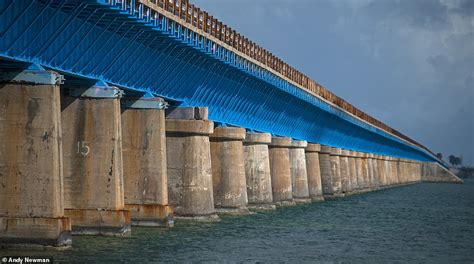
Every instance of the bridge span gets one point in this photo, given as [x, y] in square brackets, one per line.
[131, 112]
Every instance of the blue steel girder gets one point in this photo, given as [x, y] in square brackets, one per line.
[134, 49]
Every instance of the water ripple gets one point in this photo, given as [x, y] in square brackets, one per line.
[423, 223]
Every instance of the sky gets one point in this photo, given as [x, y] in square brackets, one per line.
[408, 63]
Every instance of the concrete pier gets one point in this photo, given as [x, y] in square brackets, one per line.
[370, 171]
[326, 173]
[410, 178]
[352, 172]
[418, 171]
[410, 171]
[415, 174]
[188, 154]
[358, 156]
[395, 172]
[299, 175]
[144, 162]
[381, 169]
[375, 172]
[345, 176]
[257, 171]
[280, 171]
[314, 172]
[228, 170]
[390, 170]
[433, 172]
[405, 173]
[93, 175]
[365, 173]
[401, 171]
[31, 180]
[336, 171]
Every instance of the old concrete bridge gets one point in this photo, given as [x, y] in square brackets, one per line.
[116, 113]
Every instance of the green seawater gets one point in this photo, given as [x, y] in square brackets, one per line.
[421, 223]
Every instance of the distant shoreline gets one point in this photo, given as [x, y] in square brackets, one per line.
[464, 172]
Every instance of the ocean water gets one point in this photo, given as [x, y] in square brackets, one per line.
[421, 223]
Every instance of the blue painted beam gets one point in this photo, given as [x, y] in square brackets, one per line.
[121, 46]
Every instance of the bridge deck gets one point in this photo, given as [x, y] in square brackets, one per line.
[133, 46]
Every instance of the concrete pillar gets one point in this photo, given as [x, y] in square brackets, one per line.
[345, 176]
[370, 170]
[336, 171]
[375, 172]
[388, 170]
[314, 172]
[228, 170]
[400, 167]
[280, 171]
[396, 179]
[359, 171]
[352, 171]
[409, 169]
[93, 168]
[31, 180]
[188, 155]
[403, 171]
[365, 173]
[400, 171]
[406, 171]
[299, 175]
[381, 170]
[326, 174]
[418, 169]
[257, 171]
[144, 162]
[434, 172]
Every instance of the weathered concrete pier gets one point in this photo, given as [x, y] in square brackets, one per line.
[31, 176]
[326, 173]
[336, 179]
[144, 162]
[135, 113]
[92, 158]
[299, 174]
[280, 171]
[257, 171]
[315, 187]
[188, 155]
[228, 170]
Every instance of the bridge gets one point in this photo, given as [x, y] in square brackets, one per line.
[136, 112]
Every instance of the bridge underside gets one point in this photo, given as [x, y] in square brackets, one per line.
[111, 43]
